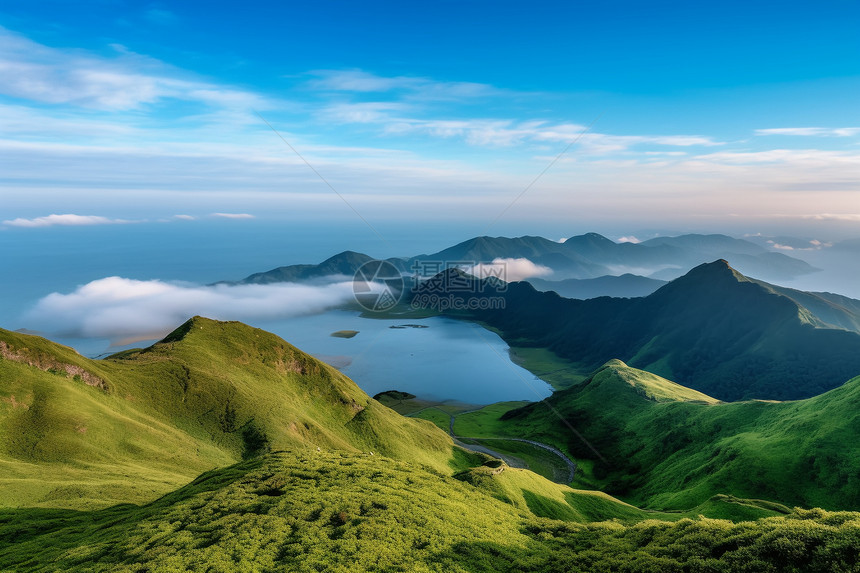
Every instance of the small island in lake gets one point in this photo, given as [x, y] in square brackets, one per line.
[344, 333]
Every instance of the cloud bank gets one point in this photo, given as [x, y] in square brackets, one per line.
[510, 270]
[68, 219]
[125, 310]
[233, 215]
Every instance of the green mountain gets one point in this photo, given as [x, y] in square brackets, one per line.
[835, 310]
[86, 433]
[713, 330]
[342, 264]
[539, 250]
[656, 444]
[588, 256]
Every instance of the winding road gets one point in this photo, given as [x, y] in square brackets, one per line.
[512, 461]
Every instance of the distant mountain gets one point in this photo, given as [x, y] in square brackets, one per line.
[342, 264]
[626, 285]
[655, 444]
[538, 250]
[713, 330]
[588, 256]
[709, 245]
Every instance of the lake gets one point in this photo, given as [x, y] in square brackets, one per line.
[447, 360]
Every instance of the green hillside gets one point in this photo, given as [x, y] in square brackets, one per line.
[88, 433]
[657, 445]
[299, 470]
[334, 511]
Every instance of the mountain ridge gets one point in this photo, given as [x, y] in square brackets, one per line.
[712, 330]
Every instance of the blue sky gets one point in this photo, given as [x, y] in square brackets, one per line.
[672, 115]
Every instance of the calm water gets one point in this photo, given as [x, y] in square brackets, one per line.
[449, 359]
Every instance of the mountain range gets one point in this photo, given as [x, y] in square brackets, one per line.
[586, 256]
[713, 330]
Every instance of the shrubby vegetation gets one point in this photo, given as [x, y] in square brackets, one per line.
[331, 511]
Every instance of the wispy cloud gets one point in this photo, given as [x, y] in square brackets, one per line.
[811, 131]
[834, 217]
[360, 81]
[124, 309]
[64, 220]
[126, 81]
[233, 215]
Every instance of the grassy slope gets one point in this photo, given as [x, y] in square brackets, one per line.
[334, 511]
[207, 396]
[675, 454]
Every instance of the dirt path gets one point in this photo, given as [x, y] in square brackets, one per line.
[510, 460]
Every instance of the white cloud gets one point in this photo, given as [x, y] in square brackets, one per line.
[508, 269]
[233, 215]
[64, 220]
[781, 247]
[124, 309]
[811, 131]
[360, 81]
[185, 217]
[507, 132]
[127, 81]
[628, 239]
[833, 217]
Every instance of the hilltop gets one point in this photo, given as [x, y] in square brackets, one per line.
[143, 422]
[657, 444]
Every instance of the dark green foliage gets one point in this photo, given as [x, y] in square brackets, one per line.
[323, 511]
[713, 330]
[254, 441]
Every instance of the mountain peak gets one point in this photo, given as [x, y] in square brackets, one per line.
[717, 270]
[594, 238]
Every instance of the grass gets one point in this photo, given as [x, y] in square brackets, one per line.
[337, 511]
[435, 415]
[558, 372]
[660, 447]
[209, 395]
[486, 422]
